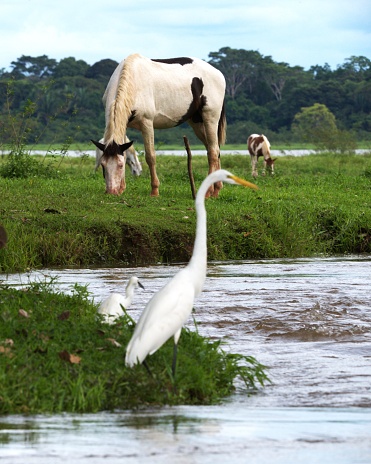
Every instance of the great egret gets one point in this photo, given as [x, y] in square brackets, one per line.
[168, 310]
[111, 306]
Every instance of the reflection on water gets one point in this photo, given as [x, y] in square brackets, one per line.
[234, 433]
[309, 320]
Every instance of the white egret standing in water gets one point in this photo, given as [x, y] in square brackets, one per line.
[111, 306]
[168, 310]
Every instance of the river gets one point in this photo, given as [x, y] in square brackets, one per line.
[308, 320]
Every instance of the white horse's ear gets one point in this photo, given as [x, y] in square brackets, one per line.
[99, 145]
[125, 146]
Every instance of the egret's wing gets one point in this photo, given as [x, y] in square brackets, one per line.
[163, 316]
[111, 305]
[165, 300]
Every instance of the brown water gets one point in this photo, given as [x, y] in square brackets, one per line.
[309, 320]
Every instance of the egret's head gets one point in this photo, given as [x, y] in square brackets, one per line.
[135, 282]
[232, 179]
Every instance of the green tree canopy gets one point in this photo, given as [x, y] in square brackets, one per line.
[238, 67]
[102, 69]
[69, 67]
[28, 66]
[313, 120]
[261, 96]
[317, 125]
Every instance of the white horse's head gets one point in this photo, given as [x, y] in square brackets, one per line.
[113, 160]
[132, 159]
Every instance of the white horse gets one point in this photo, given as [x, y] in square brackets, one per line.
[258, 145]
[132, 159]
[147, 94]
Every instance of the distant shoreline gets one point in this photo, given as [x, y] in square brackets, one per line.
[274, 153]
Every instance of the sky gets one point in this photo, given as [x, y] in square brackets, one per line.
[297, 32]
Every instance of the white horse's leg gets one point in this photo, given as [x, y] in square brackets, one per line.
[199, 130]
[254, 162]
[213, 156]
[209, 137]
[149, 148]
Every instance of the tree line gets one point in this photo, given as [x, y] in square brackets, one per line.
[43, 100]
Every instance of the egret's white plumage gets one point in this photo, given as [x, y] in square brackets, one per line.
[168, 310]
[110, 308]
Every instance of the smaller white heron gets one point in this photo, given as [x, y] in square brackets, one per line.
[110, 308]
[168, 310]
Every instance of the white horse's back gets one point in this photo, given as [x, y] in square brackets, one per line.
[176, 76]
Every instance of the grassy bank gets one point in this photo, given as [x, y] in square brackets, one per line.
[57, 355]
[315, 204]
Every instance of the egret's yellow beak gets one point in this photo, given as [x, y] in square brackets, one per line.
[244, 182]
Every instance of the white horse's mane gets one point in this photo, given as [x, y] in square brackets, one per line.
[122, 105]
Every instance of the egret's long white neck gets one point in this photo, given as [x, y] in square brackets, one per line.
[198, 262]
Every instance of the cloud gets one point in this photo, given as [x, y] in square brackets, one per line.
[304, 32]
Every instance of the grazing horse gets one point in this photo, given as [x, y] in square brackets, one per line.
[132, 159]
[146, 94]
[258, 145]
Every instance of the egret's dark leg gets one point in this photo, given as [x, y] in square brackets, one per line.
[174, 358]
[145, 364]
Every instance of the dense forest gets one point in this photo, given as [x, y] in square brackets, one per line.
[46, 101]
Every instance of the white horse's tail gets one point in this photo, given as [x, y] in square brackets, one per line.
[222, 127]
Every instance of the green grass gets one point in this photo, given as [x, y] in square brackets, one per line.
[57, 355]
[318, 204]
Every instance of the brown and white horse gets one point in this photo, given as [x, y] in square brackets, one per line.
[258, 145]
[146, 94]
